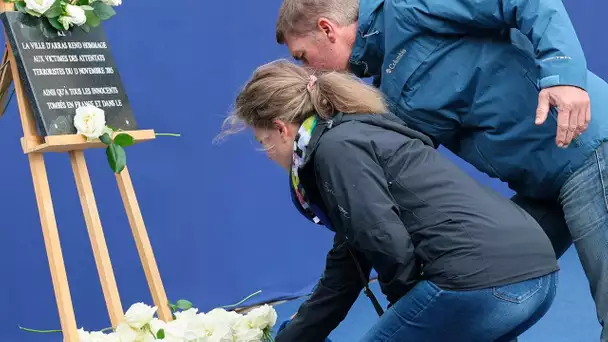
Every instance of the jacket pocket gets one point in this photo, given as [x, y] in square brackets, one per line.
[532, 77]
[484, 164]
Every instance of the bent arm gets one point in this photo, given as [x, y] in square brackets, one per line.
[331, 300]
[545, 22]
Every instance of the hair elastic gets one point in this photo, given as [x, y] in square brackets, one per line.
[311, 82]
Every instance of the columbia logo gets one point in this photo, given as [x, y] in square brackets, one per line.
[394, 63]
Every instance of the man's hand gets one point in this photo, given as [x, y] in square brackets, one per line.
[573, 111]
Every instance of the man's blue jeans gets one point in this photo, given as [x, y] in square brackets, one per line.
[430, 314]
[584, 199]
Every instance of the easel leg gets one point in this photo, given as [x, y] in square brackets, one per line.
[53, 247]
[144, 247]
[46, 212]
[98, 241]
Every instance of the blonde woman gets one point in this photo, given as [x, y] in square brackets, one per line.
[456, 261]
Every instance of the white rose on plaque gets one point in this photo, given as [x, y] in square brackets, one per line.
[112, 2]
[75, 15]
[39, 6]
[90, 121]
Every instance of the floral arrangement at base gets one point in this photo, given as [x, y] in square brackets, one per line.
[217, 325]
[65, 14]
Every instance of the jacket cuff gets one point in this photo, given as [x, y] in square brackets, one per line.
[562, 73]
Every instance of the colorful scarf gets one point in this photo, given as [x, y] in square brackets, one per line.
[299, 154]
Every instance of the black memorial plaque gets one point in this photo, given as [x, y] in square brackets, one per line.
[62, 71]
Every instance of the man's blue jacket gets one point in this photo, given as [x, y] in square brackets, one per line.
[468, 74]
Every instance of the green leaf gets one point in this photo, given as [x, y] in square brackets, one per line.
[32, 13]
[124, 140]
[56, 24]
[103, 11]
[20, 6]
[55, 10]
[105, 138]
[85, 28]
[183, 304]
[108, 130]
[160, 334]
[82, 2]
[92, 19]
[116, 157]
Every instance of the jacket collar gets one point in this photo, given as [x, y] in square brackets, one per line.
[368, 51]
[321, 127]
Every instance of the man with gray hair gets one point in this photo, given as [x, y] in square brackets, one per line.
[501, 83]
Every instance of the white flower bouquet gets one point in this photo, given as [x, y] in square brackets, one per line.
[65, 14]
[217, 325]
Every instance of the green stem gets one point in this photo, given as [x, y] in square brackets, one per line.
[242, 301]
[55, 331]
[168, 134]
[39, 331]
[268, 336]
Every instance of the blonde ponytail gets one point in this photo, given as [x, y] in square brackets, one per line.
[342, 92]
[282, 90]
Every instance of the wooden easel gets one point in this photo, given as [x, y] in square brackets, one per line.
[35, 146]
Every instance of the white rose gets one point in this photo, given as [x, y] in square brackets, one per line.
[186, 315]
[175, 331]
[84, 336]
[156, 324]
[246, 334]
[263, 317]
[75, 15]
[39, 6]
[127, 333]
[90, 121]
[96, 336]
[112, 2]
[112, 337]
[218, 325]
[220, 315]
[217, 333]
[194, 323]
[139, 314]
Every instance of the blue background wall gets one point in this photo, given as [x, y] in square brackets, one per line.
[217, 215]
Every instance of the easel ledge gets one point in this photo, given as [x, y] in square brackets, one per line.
[76, 142]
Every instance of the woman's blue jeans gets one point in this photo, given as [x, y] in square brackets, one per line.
[430, 314]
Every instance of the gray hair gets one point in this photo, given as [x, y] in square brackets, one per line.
[299, 17]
